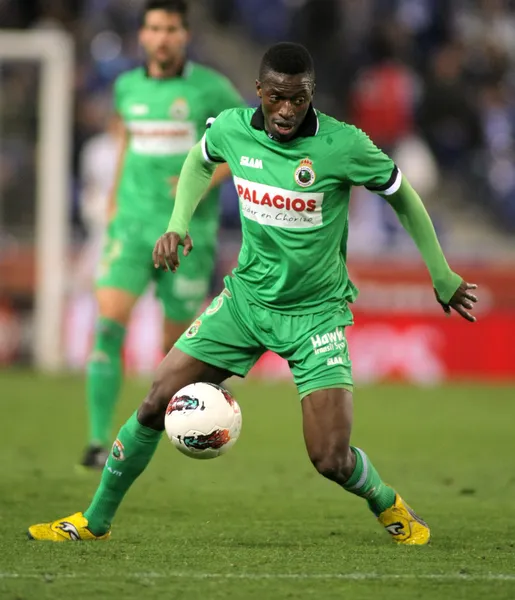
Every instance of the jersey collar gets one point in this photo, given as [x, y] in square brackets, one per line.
[308, 128]
[183, 72]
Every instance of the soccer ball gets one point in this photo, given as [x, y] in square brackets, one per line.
[203, 420]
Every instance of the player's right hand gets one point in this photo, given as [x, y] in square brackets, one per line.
[166, 251]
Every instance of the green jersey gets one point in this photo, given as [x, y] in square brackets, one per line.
[164, 119]
[294, 203]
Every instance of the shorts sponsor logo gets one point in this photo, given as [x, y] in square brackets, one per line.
[118, 450]
[191, 288]
[254, 163]
[304, 173]
[193, 329]
[336, 360]
[334, 340]
[278, 207]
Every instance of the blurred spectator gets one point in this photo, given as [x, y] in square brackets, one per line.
[96, 177]
[498, 119]
[447, 118]
[487, 23]
[383, 98]
[399, 69]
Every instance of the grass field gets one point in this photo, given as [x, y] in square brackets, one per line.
[259, 522]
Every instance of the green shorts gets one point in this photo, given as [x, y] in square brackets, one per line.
[126, 264]
[233, 333]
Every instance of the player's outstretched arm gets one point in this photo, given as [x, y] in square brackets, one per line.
[194, 181]
[450, 289]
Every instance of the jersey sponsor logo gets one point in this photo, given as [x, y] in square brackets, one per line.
[304, 173]
[334, 340]
[278, 207]
[162, 138]
[255, 163]
[180, 109]
[139, 109]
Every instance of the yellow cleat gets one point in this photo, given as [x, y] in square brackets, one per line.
[403, 524]
[70, 529]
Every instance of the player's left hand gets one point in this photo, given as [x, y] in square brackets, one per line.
[166, 250]
[462, 301]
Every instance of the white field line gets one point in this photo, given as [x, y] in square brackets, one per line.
[272, 576]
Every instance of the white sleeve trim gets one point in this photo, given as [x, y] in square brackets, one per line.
[395, 185]
[204, 150]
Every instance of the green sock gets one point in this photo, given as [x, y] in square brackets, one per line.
[104, 379]
[131, 453]
[366, 483]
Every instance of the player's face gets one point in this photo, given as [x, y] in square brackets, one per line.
[285, 101]
[163, 37]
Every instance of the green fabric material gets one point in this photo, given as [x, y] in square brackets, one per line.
[415, 220]
[131, 453]
[104, 377]
[366, 483]
[194, 182]
[232, 334]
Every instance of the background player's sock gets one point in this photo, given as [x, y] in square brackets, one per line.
[104, 379]
[365, 482]
[132, 451]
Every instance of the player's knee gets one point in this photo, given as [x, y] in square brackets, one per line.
[334, 463]
[152, 412]
[172, 332]
[115, 305]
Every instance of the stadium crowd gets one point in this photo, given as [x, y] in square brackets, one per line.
[429, 79]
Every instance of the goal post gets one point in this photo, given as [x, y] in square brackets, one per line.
[54, 50]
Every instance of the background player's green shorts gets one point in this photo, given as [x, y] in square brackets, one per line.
[233, 333]
[126, 264]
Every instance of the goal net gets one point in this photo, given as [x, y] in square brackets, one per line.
[36, 87]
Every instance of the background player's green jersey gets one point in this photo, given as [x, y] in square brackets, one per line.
[165, 118]
[294, 201]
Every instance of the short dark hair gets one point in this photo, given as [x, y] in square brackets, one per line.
[171, 6]
[287, 58]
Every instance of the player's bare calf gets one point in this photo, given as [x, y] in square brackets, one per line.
[176, 371]
[327, 422]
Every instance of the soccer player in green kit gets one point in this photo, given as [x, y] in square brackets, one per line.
[164, 107]
[293, 168]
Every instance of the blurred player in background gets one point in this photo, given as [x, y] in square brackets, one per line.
[163, 107]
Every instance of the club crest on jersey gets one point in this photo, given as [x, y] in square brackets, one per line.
[193, 329]
[180, 109]
[304, 173]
